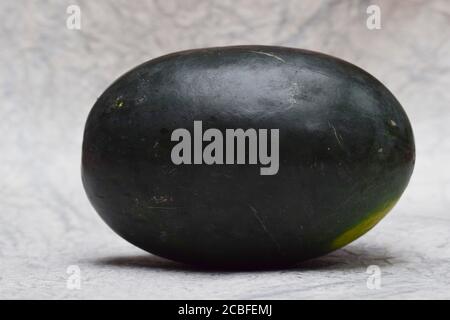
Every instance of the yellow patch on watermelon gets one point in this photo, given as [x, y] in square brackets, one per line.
[364, 226]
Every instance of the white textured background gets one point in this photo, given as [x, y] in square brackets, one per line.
[51, 76]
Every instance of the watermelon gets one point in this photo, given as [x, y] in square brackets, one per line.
[245, 156]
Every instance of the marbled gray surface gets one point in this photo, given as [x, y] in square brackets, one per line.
[50, 77]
